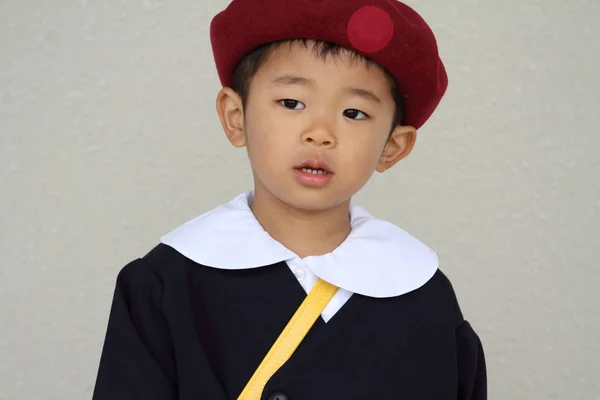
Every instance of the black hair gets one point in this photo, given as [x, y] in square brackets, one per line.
[250, 64]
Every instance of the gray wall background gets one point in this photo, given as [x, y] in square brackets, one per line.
[109, 139]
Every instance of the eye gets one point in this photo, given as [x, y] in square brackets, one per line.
[292, 104]
[355, 114]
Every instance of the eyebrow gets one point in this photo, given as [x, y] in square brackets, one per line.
[299, 80]
[365, 94]
[293, 80]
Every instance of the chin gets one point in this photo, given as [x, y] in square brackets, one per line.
[310, 199]
[301, 197]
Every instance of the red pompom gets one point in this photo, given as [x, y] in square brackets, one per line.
[370, 29]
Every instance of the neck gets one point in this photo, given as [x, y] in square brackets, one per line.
[305, 232]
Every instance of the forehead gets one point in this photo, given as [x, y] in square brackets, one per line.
[300, 59]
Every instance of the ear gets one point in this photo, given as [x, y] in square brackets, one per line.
[231, 114]
[399, 145]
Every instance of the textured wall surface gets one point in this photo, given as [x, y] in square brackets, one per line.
[109, 139]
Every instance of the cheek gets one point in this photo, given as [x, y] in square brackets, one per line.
[367, 163]
[366, 153]
[266, 143]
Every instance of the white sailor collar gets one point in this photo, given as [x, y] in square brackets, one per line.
[377, 259]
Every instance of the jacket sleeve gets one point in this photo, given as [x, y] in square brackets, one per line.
[472, 375]
[137, 359]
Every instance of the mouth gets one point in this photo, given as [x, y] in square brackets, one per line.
[314, 167]
[314, 174]
[314, 171]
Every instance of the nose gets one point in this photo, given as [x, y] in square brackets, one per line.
[319, 135]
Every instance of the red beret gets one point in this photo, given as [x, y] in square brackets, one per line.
[386, 31]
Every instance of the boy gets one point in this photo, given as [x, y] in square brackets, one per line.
[322, 94]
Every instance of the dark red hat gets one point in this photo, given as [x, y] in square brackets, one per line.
[386, 31]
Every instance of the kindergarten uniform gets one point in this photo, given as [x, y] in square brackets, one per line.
[193, 318]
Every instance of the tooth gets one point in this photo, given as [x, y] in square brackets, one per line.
[314, 171]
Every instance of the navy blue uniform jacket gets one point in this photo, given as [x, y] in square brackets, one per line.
[180, 330]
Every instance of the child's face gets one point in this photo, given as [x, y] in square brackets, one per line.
[303, 110]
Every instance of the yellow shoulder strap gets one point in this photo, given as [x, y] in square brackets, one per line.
[287, 342]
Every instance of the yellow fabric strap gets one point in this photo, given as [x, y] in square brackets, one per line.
[287, 342]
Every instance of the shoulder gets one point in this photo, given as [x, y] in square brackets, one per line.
[163, 259]
[160, 264]
[439, 290]
[440, 285]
